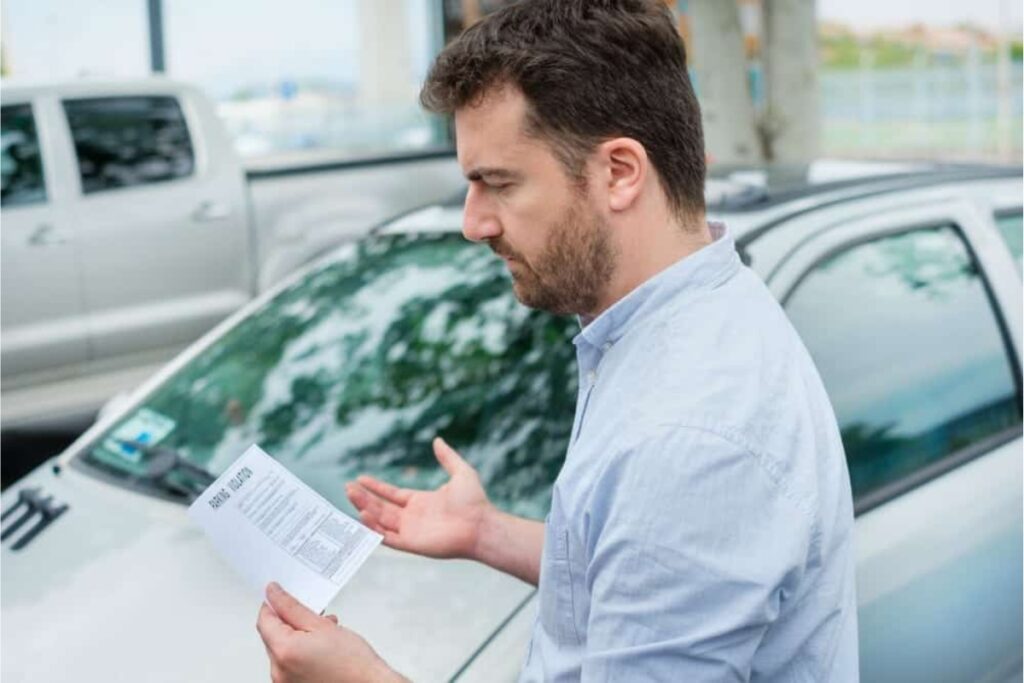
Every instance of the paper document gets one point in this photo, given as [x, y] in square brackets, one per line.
[270, 526]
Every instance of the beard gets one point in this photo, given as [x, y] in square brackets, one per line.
[571, 273]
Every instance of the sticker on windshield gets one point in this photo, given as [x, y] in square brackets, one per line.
[142, 429]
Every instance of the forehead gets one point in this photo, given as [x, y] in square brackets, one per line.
[491, 132]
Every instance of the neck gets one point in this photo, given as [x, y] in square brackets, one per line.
[647, 245]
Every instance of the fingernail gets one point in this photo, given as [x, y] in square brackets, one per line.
[273, 587]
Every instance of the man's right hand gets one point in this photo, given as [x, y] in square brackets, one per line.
[455, 520]
[446, 522]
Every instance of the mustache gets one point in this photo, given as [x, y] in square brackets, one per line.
[503, 249]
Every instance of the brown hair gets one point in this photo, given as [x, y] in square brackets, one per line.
[590, 70]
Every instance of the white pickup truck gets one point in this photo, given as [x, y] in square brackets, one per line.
[130, 227]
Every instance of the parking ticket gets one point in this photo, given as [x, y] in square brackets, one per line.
[270, 526]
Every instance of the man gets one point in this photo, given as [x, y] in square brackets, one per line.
[701, 526]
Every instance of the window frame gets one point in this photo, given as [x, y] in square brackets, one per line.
[1000, 212]
[44, 161]
[805, 258]
[194, 139]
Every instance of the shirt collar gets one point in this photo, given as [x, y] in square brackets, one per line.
[703, 269]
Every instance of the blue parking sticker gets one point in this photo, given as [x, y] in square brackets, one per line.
[145, 427]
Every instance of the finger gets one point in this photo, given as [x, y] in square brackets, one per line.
[374, 511]
[376, 524]
[385, 490]
[449, 458]
[272, 630]
[391, 538]
[371, 522]
[291, 611]
[364, 500]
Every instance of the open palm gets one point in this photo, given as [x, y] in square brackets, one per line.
[444, 522]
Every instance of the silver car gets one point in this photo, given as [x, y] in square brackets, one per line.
[903, 280]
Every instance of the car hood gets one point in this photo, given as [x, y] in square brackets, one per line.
[125, 587]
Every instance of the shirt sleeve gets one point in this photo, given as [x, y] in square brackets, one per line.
[693, 547]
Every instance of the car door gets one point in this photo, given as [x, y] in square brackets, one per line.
[913, 321]
[43, 326]
[161, 225]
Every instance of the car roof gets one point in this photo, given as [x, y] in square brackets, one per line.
[752, 188]
[88, 86]
[754, 198]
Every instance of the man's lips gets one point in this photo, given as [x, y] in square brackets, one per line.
[508, 258]
[502, 251]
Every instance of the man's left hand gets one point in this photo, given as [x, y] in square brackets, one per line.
[304, 646]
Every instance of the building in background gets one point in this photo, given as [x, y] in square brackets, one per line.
[781, 80]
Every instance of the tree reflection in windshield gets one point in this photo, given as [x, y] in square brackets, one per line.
[358, 366]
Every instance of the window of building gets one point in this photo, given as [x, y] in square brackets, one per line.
[311, 79]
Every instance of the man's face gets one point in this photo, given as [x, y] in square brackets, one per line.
[521, 201]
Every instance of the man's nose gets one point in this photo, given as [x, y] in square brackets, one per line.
[479, 222]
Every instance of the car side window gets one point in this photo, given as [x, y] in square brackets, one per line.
[129, 141]
[905, 337]
[1011, 227]
[21, 163]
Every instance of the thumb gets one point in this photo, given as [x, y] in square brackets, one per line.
[450, 460]
[291, 611]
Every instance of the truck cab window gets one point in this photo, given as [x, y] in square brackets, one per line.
[21, 164]
[129, 141]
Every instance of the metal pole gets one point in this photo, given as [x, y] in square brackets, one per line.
[156, 36]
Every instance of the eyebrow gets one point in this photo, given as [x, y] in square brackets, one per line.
[487, 173]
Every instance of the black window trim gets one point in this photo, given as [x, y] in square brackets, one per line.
[44, 166]
[950, 461]
[1011, 212]
[185, 118]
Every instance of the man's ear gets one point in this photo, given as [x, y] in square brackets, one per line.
[626, 167]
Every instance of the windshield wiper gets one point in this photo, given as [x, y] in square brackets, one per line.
[164, 461]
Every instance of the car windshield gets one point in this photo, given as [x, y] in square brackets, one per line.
[355, 368]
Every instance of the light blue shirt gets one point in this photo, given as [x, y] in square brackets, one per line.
[701, 528]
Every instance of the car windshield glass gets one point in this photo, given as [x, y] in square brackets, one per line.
[358, 365]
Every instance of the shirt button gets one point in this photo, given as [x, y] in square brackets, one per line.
[607, 346]
[592, 376]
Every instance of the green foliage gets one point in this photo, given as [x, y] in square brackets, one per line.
[849, 52]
